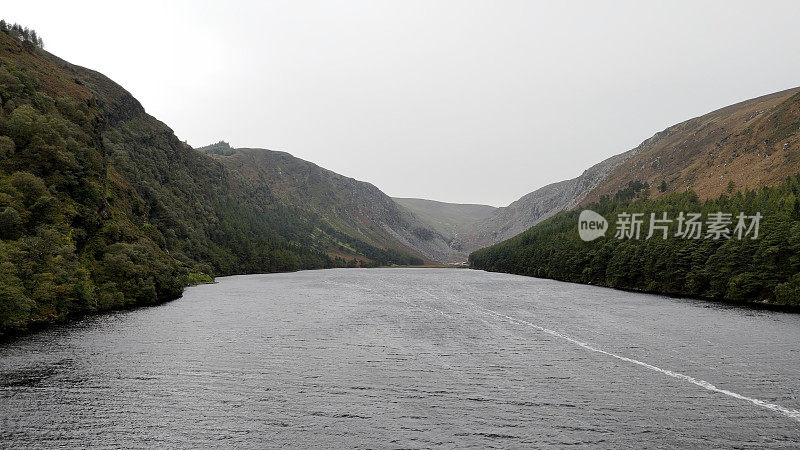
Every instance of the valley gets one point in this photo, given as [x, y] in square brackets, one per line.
[103, 207]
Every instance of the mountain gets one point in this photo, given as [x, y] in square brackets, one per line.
[353, 208]
[449, 219]
[745, 145]
[540, 204]
[102, 206]
[743, 159]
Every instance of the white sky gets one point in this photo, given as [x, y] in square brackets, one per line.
[462, 101]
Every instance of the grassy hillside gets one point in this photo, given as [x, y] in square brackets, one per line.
[102, 207]
[746, 145]
[449, 219]
[766, 269]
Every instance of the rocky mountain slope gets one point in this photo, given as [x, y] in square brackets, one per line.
[537, 206]
[355, 208]
[449, 219]
[744, 145]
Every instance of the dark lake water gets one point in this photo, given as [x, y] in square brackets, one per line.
[407, 358]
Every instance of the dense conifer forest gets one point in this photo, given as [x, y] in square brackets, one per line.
[725, 267]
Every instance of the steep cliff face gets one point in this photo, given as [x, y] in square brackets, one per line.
[353, 207]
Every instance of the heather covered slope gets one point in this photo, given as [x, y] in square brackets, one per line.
[741, 159]
[742, 146]
[351, 207]
[747, 145]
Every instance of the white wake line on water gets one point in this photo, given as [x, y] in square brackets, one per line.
[791, 413]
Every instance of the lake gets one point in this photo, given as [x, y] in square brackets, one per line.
[407, 358]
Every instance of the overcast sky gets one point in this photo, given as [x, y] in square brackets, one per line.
[461, 101]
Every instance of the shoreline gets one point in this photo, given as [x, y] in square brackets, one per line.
[37, 327]
[791, 309]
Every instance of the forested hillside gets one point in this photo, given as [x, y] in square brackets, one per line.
[765, 269]
[102, 206]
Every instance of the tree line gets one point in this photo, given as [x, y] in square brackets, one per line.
[761, 270]
[24, 34]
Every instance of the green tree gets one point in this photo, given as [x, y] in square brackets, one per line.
[10, 224]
